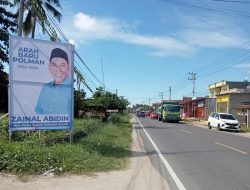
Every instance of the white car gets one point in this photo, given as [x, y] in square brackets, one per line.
[223, 121]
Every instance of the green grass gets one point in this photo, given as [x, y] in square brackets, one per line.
[97, 147]
[244, 129]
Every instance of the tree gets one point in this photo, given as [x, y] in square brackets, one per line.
[37, 12]
[79, 96]
[107, 100]
[8, 26]
[3, 90]
[99, 92]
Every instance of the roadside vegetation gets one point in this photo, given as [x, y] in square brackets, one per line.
[98, 146]
[244, 129]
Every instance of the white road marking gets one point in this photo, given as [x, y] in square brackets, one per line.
[165, 162]
[242, 152]
[186, 131]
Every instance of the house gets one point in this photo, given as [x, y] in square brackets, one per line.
[234, 101]
[223, 86]
[200, 107]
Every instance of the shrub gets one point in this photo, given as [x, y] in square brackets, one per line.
[97, 147]
[115, 119]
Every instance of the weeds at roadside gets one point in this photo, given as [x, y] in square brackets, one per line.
[97, 147]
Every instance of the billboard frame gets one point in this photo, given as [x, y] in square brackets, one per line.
[70, 49]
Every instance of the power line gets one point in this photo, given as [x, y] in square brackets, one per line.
[208, 8]
[232, 57]
[86, 77]
[102, 75]
[243, 60]
[229, 54]
[149, 102]
[60, 31]
[161, 94]
[231, 1]
[66, 39]
[39, 22]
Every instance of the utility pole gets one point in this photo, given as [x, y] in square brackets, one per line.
[161, 95]
[193, 78]
[20, 18]
[246, 84]
[116, 92]
[103, 76]
[149, 103]
[170, 90]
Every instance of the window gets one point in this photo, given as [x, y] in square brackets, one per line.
[227, 116]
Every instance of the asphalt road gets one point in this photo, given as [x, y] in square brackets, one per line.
[196, 158]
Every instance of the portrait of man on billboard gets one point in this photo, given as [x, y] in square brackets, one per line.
[55, 96]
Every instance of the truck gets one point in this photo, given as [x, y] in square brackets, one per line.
[169, 111]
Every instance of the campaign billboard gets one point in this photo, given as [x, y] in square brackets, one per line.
[41, 84]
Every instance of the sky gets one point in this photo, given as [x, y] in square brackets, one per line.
[143, 48]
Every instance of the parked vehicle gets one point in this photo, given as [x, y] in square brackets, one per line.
[223, 121]
[159, 113]
[140, 114]
[147, 113]
[169, 111]
[153, 115]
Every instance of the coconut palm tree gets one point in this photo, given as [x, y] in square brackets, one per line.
[38, 11]
[8, 26]
[79, 78]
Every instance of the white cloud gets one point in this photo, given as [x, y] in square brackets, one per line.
[92, 28]
[193, 34]
[162, 46]
[211, 39]
[72, 41]
[98, 28]
[216, 32]
[243, 66]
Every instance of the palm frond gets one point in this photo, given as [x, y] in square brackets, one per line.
[53, 11]
[55, 2]
[28, 24]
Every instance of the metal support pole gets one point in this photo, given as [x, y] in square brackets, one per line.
[170, 91]
[20, 18]
[71, 137]
[248, 118]
[10, 134]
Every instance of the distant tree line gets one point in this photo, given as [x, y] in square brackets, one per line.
[101, 99]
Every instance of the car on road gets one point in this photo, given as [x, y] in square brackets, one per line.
[223, 121]
[140, 114]
[153, 115]
[147, 113]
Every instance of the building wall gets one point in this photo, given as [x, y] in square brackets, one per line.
[222, 104]
[224, 88]
[240, 85]
[236, 100]
[217, 88]
[210, 106]
[199, 108]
